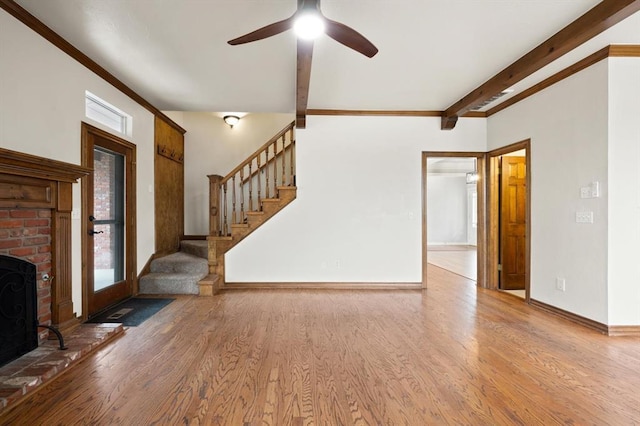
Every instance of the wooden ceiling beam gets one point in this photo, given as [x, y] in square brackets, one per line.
[303, 77]
[600, 18]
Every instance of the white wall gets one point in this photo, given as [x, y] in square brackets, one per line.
[624, 191]
[212, 147]
[357, 217]
[446, 209]
[42, 94]
[568, 127]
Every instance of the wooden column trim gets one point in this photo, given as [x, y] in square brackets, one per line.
[62, 313]
[305, 56]
[214, 204]
[59, 176]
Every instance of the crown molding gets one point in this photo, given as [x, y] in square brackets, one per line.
[389, 113]
[54, 38]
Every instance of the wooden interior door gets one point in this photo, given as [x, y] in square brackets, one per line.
[513, 218]
[109, 220]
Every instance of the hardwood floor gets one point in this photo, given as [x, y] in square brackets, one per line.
[522, 294]
[459, 259]
[453, 354]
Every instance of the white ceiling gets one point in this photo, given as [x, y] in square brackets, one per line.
[432, 52]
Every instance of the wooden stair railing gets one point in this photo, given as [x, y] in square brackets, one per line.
[250, 194]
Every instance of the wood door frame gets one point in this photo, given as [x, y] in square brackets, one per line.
[481, 188]
[493, 215]
[130, 211]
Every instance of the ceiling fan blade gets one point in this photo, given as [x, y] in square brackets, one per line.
[264, 32]
[350, 38]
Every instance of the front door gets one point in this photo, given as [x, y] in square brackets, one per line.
[108, 220]
[513, 218]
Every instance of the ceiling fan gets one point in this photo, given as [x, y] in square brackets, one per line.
[309, 12]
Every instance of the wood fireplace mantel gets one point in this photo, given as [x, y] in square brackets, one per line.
[28, 181]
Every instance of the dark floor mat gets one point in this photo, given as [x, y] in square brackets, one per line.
[132, 312]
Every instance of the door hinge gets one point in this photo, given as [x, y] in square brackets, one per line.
[499, 267]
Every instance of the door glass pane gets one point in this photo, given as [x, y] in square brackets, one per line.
[108, 225]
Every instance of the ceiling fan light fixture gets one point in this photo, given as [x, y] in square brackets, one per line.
[308, 26]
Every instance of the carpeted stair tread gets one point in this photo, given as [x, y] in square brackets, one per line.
[170, 283]
[198, 248]
[180, 262]
[177, 273]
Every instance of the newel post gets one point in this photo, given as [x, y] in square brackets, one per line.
[214, 204]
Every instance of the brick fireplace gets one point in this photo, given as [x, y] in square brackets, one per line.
[35, 225]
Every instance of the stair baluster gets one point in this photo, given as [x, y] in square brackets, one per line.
[250, 187]
[292, 181]
[284, 165]
[259, 172]
[233, 199]
[241, 195]
[224, 203]
[266, 166]
[275, 168]
[251, 178]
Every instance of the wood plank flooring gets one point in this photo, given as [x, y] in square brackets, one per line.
[459, 259]
[452, 354]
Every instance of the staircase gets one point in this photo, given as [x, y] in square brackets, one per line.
[178, 273]
[242, 201]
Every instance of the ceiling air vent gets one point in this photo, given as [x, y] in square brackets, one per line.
[491, 99]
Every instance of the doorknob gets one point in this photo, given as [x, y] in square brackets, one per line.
[92, 232]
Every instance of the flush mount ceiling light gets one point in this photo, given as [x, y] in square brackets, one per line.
[231, 120]
[308, 25]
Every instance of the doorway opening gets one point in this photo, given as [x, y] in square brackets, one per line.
[453, 214]
[108, 220]
[509, 212]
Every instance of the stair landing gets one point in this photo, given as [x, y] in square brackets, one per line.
[195, 247]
